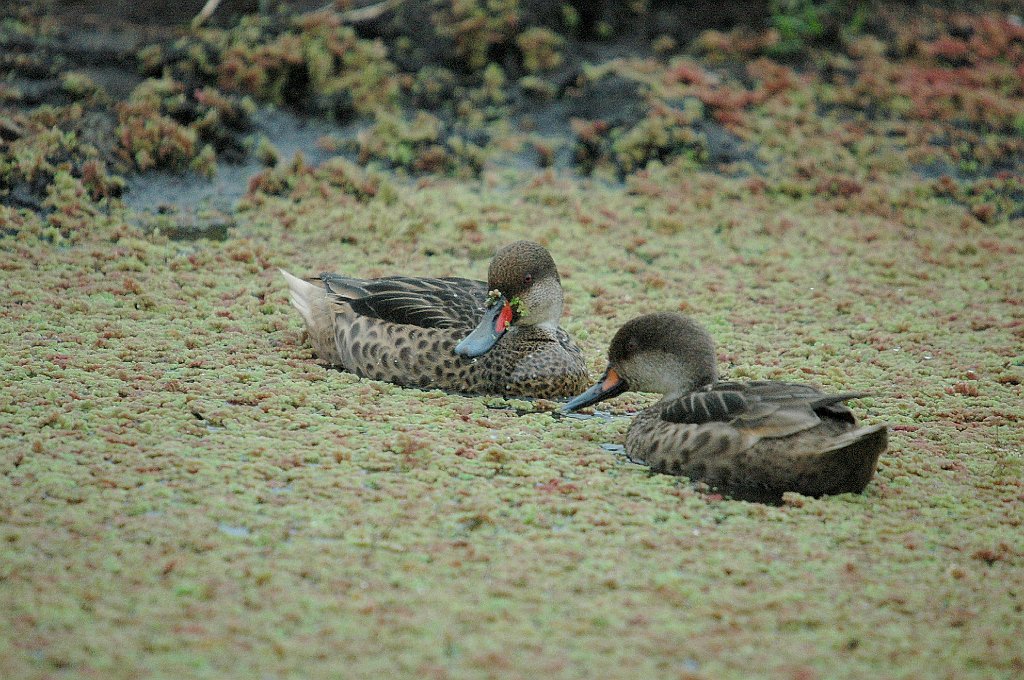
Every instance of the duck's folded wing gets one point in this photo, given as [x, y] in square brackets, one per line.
[686, 448]
[428, 303]
[767, 409]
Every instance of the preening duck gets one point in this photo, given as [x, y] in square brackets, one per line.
[750, 440]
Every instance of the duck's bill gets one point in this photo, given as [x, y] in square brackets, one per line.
[610, 385]
[492, 326]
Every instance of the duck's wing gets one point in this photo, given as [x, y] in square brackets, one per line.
[426, 302]
[762, 409]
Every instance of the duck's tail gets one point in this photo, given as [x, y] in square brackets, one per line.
[857, 451]
[302, 294]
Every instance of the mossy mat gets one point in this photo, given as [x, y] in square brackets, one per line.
[185, 492]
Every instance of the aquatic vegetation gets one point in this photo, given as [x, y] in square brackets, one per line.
[150, 135]
[798, 22]
[52, 159]
[540, 48]
[476, 27]
[297, 179]
[169, 438]
[311, 62]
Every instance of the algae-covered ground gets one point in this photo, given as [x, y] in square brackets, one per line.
[186, 492]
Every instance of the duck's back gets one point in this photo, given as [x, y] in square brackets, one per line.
[450, 302]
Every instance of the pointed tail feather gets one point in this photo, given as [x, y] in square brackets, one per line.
[301, 293]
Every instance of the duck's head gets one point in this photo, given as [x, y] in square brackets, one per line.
[525, 291]
[667, 353]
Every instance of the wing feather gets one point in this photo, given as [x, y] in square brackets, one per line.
[425, 302]
[762, 408]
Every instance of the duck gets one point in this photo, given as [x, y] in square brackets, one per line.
[751, 440]
[497, 337]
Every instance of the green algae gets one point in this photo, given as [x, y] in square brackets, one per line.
[181, 476]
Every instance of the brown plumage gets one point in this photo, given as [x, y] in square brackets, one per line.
[753, 440]
[406, 330]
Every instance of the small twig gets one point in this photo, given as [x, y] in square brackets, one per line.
[205, 13]
[361, 15]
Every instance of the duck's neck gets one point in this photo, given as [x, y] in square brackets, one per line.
[670, 397]
[542, 332]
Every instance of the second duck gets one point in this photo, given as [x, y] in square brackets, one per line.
[753, 440]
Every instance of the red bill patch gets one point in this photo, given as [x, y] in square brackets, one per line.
[506, 315]
[611, 379]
